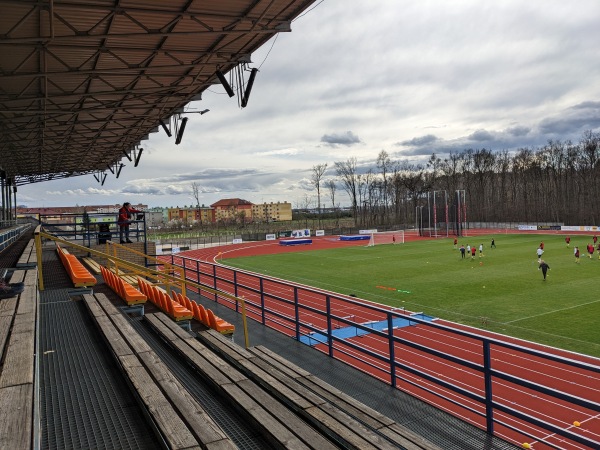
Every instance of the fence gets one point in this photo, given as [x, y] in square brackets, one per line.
[11, 234]
[89, 229]
[475, 380]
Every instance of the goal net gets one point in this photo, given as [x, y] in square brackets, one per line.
[386, 237]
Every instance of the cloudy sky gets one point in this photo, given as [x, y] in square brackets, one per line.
[354, 78]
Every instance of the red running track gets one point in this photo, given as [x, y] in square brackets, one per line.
[370, 351]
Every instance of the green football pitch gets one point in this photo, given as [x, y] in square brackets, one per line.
[503, 291]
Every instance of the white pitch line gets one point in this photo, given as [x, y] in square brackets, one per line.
[551, 312]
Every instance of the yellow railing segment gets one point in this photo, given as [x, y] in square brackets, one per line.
[172, 276]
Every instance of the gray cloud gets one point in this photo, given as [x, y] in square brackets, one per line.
[481, 136]
[574, 121]
[348, 138]
[419, 141]
[518, 131]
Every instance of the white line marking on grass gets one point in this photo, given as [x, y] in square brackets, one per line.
[551, 312]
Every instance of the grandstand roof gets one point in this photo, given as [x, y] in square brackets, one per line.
[82, 83]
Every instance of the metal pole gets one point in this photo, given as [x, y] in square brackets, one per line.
[434, 216]
[428, 214]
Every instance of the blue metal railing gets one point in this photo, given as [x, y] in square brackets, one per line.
[304, 310]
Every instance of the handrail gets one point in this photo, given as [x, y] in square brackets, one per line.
[254, 286]
[179, 282]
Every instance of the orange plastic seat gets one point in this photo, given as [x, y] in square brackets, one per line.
[123, 289]
[130, 294]
[80, 276]
[203, 315]
[175, 310]
[218, 324]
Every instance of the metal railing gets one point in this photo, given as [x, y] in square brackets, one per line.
[161, 273]
[11, 234]
[405, 360]
[89, 229]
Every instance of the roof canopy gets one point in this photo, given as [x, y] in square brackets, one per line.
[82, 83]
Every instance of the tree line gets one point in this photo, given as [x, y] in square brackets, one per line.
[557, 182]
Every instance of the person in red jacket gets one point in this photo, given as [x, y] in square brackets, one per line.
[473, 250]
[568, 241]
[590, 249]
[124, 221]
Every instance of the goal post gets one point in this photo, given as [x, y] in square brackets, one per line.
[386, 237]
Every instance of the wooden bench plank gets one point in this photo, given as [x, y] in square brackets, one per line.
[133, 337]
[340, 426]
[17, 347]
[298, 427]
[5, 322]
[214, 340]
[8, 306]
[170, 424]
[277, 423]
[181, 419]
[28, 298]
[336, 430]
[357, 409]
[19, 355]
[222, 367]
[200, 423]
[17, 421]
[92, 264]
[119, 345]
[290, 387]
[28, 256]
[271, 428]
[383, 424]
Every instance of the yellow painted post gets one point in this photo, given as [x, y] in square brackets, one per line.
[245, 325]
[115, 261]
[38, 250]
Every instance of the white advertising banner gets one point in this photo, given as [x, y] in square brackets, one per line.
[300, 233]
[367, 231]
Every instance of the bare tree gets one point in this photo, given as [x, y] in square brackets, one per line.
[305, 204]
[317, 175]
[346, 170]
[332, 188]
[196, 194]
[384, 164]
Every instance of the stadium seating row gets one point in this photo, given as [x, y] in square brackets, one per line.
[123, 289]
[205, 315]
[179, 307]
[161, 299]
[80, 276]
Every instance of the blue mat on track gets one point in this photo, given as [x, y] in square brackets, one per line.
[315, 338]
[356, 237]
